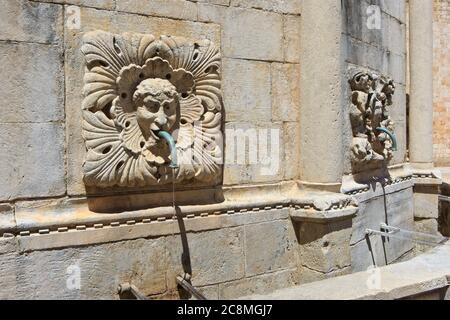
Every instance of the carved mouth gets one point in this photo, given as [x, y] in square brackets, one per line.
[154, 134]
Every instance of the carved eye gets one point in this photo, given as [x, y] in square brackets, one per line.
[124, 95]
[184, 95]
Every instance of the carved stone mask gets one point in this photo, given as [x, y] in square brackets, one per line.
[136, 85]
[157, 106]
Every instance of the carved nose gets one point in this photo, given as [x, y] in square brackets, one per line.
[161, 121]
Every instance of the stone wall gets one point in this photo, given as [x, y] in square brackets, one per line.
[374, 40]
[250, 234]
[441, 83]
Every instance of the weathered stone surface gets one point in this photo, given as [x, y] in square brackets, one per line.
[247, 87]
[257, 285]
[247, 33]
[254, 153]
[292, 42]
[54, 274]
[33, 90]
[283, 6]
[285, 92]
[117, 23]
[274, 253]
[218, 2]
[102, 4]
[324, 247]
[175, 90]
[29, 144]
[179, 9]
[421, 274]
[291, 145]
[371, 213]
[22, 20]
[210, 257]
[426, 205]
[429, 226]
[306, 275]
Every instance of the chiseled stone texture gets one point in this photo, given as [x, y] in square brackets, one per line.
[211, 256]
[247, 145]
[246, 89]
[247, 33]
[285, 92]
[324, 247]
[101, 4]
[283, 6]
[22, 20]
[180, 9]
[257, 285]
[33, 89]
[93, 19]
[371, 214]
[275, 252]
[29, 144]
[292, 38]
[426, 205]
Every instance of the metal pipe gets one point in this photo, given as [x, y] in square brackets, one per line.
[173, 150]
[130, 288]
[391, 135]
[189, 288]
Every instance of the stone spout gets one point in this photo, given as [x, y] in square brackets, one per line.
[391, 135]
[173, 150]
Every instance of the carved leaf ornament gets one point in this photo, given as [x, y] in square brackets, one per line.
[136, 85]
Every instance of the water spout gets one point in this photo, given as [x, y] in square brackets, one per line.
[173, 150]
[391, 135]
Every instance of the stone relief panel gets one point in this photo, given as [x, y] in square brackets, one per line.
[152, 110]
[373, 130]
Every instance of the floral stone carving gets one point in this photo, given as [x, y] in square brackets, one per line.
[136, 85]
[373, 129]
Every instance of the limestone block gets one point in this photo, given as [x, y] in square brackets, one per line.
[285, 92]
[22, 20]
[117, 23]
[9, 282]
[211, 257]
[46, 274]
[394, 8]
[291, 145]
[429, 226]
[283, 6]
[371, 213]
[397, 37]
[33, 90]
[33, 165]
[292, 41]
[324, 247]
[274, 253]
[246, 89]
[307, 275]
[8, 244]
[396, 67]
[254, 153]
[257, 285]
[247, 33]
[101, 4]
[179, 9]
[426, 205]
[217, 2]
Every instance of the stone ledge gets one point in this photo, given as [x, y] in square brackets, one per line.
[424, 273]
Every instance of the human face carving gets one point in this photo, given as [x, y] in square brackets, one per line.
[157, 107]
